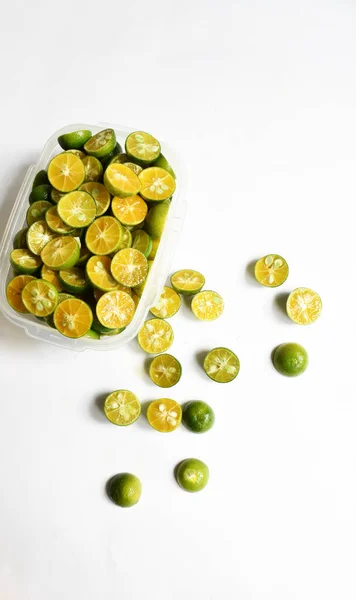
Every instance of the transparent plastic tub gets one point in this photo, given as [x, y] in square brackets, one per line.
[158, 273]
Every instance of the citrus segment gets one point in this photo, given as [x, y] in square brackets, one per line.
[271, 270]
[73, 318]
[122, 407]
[115, 309]
[143, 147]
[99, 274]
[40, 297]
[23, 261]
[304, 306]
[221, 365]
[77, 209]
[164, 415]
[61, 253]
[14, 292]
[165, 370]
[129, 267]
[104, 235]
[66, 172]
[100, 194]
[55, 223]
[101, 143]
[156, 184]
[38, 235]
[155, 336]
[207, 305]
[129, 211]
[121, 181]
[187, 281]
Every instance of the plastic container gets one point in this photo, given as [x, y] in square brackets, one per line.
[158, 273]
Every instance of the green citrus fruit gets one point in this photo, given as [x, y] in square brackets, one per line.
[124, 489]
[192, 475]
[290, 359]
[198, 416]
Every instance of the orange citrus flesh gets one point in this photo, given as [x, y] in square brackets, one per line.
[104, 236]
[66, 172]
[129, 267]
[304, 306]
[271, 270]
[130, 211]
[164, 415]
[115, 309]
[156, 184]
[73, 318]
[14, 292]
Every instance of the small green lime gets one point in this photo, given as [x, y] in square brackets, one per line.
[164, 164]
[198, 416]
[40, 192]
[40, 178]
[93, 335]
[156, 219]
[74, 139]
[290, 359]
[20, 239]
[124, 489]
[192, 475]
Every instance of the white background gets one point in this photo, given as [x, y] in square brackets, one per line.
[259, 99]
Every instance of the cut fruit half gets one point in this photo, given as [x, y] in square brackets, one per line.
[104, 236]
[37, 211]
[142, 147]
[207, 305]
[165, 370]
[121, 181]
[99, 274]
[23, 261]
[168, 304]
[101, 144]
[66, 172]
[164, 164]
[74, 139]
[40, 297]
[52, 276]
[38, 235]
[155, 336]
[187, 282]
[271, 270]
[164, 415]
[129, 267]
[55, 223]
[61, 253]
[100, 194]
[74, 280]
[156, 184]
[14, 292]
[73, 318]
[77, 209]
[122, 407]
[221, 365]
[115, 309]
[142, 241]
[93, 168]
[304, 306]
[129, 211]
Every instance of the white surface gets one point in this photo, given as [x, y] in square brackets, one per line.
[260, 96]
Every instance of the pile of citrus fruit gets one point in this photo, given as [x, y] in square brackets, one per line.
[94, 223]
